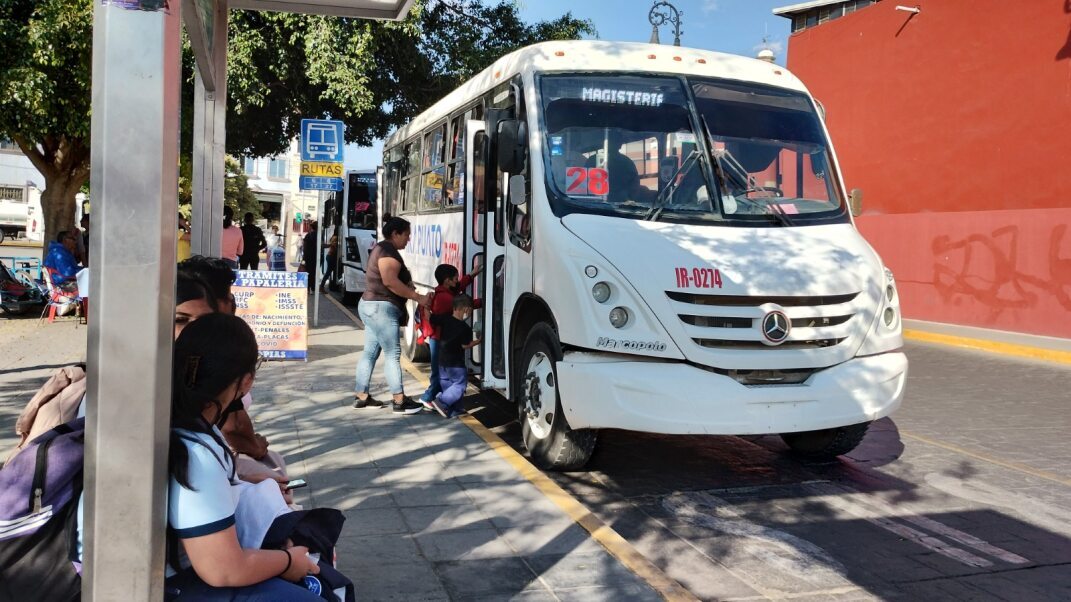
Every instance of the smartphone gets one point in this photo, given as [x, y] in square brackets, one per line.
[296, 484]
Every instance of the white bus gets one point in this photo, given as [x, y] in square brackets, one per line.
[669, 248]
[357, 231]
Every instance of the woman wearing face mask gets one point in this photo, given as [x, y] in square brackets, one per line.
[214, 364]
[194, 298]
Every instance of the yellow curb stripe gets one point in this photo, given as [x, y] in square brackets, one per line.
[616, 545]
[1037, 353]
[1041, 474]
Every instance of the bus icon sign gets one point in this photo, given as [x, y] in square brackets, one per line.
[322, 140]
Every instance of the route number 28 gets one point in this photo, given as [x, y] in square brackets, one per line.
[586, 181]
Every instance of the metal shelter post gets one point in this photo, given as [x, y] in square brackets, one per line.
[209, 132]
[135, 129]
[319, 258]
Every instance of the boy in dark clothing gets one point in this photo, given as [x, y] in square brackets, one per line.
[442, 305]
[455, 336]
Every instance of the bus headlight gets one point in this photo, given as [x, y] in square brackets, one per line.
[618, 317]
[601, 292]
[889, 315]
[591, 271]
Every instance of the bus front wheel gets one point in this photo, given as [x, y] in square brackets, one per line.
[551, 442]
[826, 444]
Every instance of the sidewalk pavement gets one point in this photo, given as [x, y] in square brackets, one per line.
[432, 512]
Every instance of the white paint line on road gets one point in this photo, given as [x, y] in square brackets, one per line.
[966, 539]
[841, 498]
[837, 498]
[1040, 514]
[927, 523]
[779, 550]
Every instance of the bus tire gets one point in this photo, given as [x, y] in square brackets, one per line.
[551, 442]
[826, 444]
[413, 351]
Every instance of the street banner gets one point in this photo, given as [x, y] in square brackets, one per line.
[275, 305]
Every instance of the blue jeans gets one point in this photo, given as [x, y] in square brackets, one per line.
[453, 382]
[434, 388]
[381, 323]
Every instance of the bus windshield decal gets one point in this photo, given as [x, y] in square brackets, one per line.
[626, 97]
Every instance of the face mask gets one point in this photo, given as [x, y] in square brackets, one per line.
[231, 408]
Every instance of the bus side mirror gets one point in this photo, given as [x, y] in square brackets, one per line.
[512, 145]
[855, 202]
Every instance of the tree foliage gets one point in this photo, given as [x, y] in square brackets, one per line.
[373, 75]
[45, 94]
[282, 67]
[236, 192]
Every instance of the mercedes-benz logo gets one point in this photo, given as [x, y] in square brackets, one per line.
[775, 327]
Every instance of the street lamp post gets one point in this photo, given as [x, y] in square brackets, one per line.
[660, 13]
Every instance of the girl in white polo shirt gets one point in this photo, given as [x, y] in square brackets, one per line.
[215, 362]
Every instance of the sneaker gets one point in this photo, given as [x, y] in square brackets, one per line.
[367, 402]
[427, 405]
[408, 406]
[455, 413]
[441, 408]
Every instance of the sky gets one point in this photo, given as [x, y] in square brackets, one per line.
[733, 26]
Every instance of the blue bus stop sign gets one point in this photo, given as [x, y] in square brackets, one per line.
[322, 140]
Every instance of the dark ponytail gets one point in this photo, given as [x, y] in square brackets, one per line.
[228, 217]
[211, 354]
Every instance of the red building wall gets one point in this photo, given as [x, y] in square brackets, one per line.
[956, 122]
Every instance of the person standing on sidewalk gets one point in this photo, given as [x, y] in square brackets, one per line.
[232, 246]
[332, 260]
[309, 257]
[253, 242]
[388, 286]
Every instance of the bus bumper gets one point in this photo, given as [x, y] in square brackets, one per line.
[608, 391]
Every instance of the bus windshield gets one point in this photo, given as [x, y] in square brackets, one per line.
[631, 146]
[361, 201]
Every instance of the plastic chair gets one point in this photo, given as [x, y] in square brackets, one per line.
[56, 297]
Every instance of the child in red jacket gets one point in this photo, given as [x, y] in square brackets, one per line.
[442, 306]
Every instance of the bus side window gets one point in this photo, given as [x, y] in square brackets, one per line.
[455, 171]
[411, 176]
[433, 172]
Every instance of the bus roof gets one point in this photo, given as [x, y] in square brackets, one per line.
[602, 56]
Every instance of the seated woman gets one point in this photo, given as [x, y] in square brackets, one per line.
[255, 462]
[214, 365]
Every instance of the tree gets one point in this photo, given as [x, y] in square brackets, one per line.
[282, 67]
[373, 75]
[45, 95]
[236, 192]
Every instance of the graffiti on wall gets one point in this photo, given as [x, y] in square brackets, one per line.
[986, 269]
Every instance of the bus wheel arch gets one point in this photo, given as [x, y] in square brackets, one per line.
[551, 442]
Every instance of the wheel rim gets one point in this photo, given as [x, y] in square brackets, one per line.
[540, 395]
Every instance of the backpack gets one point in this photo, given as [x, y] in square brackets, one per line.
[422, 321]
[39, 493]
[55, 403]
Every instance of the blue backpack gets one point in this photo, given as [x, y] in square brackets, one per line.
[39, 492]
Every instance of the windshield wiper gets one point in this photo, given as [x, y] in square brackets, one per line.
[722, 159]
[666, 193]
